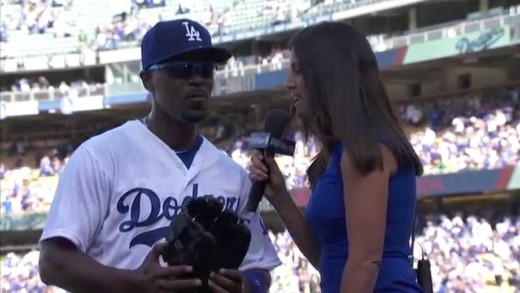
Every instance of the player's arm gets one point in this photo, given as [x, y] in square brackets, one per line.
[76, 215]
[63, 265]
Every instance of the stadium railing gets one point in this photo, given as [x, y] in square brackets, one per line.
[510, 18]
[53, 94]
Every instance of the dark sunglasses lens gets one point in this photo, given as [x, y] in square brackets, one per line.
[190, 69]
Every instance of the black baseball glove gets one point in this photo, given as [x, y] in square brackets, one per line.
[207, 237]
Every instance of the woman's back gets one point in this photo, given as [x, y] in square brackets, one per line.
[326, 214]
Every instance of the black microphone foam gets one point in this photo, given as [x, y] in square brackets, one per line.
[276, 122]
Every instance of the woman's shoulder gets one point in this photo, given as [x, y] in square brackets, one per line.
[391, 156]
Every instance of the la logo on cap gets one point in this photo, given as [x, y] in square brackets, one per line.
[191, 32]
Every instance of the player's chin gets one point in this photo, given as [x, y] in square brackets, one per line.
[194, 116]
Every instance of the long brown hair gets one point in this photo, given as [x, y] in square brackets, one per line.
[348, 99]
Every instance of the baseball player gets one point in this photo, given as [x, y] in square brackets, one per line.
[120, 190]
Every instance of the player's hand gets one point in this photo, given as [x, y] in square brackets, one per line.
[152, 277]
[227, 281]
[268, 170]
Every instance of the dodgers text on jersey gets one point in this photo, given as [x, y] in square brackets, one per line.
[130, 206]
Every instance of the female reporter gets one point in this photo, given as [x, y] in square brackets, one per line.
[358, 221]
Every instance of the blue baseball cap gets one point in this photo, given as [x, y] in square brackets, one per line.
[167, 39]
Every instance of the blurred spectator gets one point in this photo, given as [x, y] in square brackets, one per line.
[40, 16]
[24, 189]
[2, 170]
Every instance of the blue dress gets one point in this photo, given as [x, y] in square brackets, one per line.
[326, 215]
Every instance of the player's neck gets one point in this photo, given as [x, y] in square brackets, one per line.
[177, 135]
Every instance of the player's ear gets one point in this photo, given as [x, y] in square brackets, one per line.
[147, 80]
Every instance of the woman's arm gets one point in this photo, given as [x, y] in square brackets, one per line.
[365, 198]
[276, 192]
[298, 227]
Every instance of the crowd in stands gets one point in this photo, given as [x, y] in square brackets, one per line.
[41, 87]
[38, 17]
[468, 254]
[471, 133]
[25, 85]
[449, 136]
[131, 19]
[128, 24]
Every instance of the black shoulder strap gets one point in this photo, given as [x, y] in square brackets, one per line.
[412, 246]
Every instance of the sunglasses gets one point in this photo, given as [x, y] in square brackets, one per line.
[184, 70]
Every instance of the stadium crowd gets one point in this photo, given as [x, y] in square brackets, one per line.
[130, 20]
[449, 136]
[38, 17]
[471, 133]
[468, 254]
[41, 85]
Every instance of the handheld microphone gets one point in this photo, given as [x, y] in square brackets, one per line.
[269, 142]
[265, 141]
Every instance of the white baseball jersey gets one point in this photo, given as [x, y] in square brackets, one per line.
[120, 190]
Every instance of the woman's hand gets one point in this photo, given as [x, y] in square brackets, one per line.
[267, 170]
